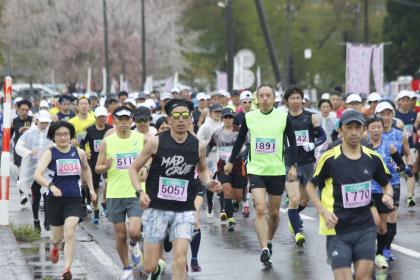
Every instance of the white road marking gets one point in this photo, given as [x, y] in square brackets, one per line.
[103, 258]
[405, 251]
[304, 217]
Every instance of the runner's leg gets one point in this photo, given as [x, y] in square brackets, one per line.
[70, 225]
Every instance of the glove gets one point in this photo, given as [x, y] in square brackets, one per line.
[308, 147]
[409, 171]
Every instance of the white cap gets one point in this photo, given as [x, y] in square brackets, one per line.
[201, 95]
[43, 103]
[101, 111]
[123, 112]
[150, 104]
[166, 95]
[175, 89]
[325, 96]
[353, 97]
[44, 116]
[131, 101]
[225, 93]
[374, 96]
[383, 106]
[403, 93]
[413, 94]
[279, 96]
[306, 97]
[17, 99]
[246, 95]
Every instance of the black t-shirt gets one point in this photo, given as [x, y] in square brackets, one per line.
[63, 117]
[17, 124]
[94, 139]
[335, 173]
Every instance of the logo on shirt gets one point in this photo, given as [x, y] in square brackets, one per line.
[176, 165]
[366, 172]
[72, 154]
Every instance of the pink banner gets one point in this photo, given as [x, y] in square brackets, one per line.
[221, 81]
[358, 62]
[169, 84]
[377, 68]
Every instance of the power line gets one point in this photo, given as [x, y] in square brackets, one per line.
[402, 2]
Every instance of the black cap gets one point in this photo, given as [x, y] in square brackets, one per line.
[142, 113]
[215, 107]
[351, 115]
[227, 112]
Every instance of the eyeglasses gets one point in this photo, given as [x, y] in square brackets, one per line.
[142, 120]
[178, 115]
[65, 134]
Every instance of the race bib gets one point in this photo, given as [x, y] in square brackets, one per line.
[224, 152]
[408, 129]
[302, 137]
[96, 144]
[173, 189]
[68, 167]
[81, 136]
[265, 145]
[356, 195]
[124, 160]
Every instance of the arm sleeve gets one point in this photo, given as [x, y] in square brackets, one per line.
[398, 160]
[240, 140]
[382, 174]
[292, 142]
[319, 135]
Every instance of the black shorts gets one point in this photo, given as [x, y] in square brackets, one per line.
[377, 200]
[201, 189]
[237, 181]
[60, 208]
[273, 184]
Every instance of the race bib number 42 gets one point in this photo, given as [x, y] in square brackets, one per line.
[356, 195]
[124, 160]
[302, 137]
[96, 144]
[225, 152]
[173, 189]
[68, 167]
[265, 145]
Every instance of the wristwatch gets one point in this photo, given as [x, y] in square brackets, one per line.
[50, 184]
[138, 192]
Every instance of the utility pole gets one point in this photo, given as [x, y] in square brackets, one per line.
[106, 48]
[229, 43]
[143, 46]
[288, 45]
[366, 20]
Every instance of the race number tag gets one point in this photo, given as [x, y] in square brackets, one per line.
[225, 152]
[265, 145]
[302, 137]
[173, 189]
[408, 129]
[68, 167]
[81, 136]
[356, 195]
[124, 160]
[96, 144]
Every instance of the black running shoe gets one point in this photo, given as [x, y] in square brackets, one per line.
[37, 226]
[23, 201]
[265, 257]
[231, 227]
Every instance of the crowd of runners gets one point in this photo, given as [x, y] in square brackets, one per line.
[151, 164]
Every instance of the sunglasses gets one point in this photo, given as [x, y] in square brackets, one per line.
[142, 120]
[178, 115]
[228, 117]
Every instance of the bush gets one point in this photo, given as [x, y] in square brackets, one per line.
[25, 232]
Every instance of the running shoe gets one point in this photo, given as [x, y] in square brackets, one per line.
[157, 275]
[46, 225]
[66, 274]
[127, 274]
[231, 225]
[95, 221]
[89, 208]
[209, 213]
[410, 201]
[195, 267]
[387, 253]
[23, 200]
[265, 257]
[299, 239]
[54, 254]
[380, 262]
[135, 254]
[223, 216]
[245, 211]
[235, 206]
[84, 211]
[167, 245]
[37, 226]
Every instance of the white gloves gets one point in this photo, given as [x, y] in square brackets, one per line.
[308, 147]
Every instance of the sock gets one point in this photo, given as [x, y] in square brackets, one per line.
[294, 219]
[209, 196]
[103, 204]
[390, 234]
[270, 245]
[127, 268]
[229, 208]
[195, 244]
[300, 208]
[133, 242]
[222, 202]
[381, 238]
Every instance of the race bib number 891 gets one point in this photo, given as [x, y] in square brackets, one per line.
[356, 195]
[265, 145]
[173, 189]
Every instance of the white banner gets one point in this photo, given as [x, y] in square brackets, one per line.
[378, 68]
[358, 62]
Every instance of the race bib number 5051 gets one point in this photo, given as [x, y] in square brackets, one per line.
[356, 195]
[173, 189]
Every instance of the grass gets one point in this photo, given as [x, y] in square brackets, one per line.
[25, 232]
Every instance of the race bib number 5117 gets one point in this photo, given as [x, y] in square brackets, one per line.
[124, 160]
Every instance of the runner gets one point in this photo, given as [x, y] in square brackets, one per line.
[116, 154]
[142, 118]
[343, 176]
[309, 135]
[65, 113]
[372, 100]
[234, 183]
[20, 124]
[94, 135]
[162, 124]
[122, 97]
[246, 99]
[170, 193]
[201, 111]
[268, 128]
[66, 163]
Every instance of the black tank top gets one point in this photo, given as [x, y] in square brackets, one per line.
[170, 183]
[304, 132]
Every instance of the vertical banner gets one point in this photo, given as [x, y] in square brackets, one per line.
[169, 84]
[358, 62]
[378, 68]
[221, 81]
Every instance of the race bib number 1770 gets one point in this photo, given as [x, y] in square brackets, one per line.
[356, 195]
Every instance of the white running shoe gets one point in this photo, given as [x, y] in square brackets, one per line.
[136, 254]
[127, 274]
[89, 208]
[381, 262]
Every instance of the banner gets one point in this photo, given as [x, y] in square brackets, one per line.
[221, 81]
[358, 62]
[378, 68]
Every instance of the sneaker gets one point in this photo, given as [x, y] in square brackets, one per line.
[265, 257]
[209, 213]
[127, 274]
[380, 262]
[66, 274]
[23, 200]
[292, 231]
[37, 226]
[135, 253]
[157, 275]
[245, 211]
[235, 206]
[223, 216]
[410, 201]
[162, 265]
[195, 267]
[231, 225]
[387, 253]
[95, 221]
[89, 208]
[54, 254]
[167, 245]
[46, 225]
[299, 239]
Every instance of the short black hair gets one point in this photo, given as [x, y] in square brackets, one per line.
[24, 102]
[236, 92]
[58, 124]
[121, 93]
[374, 118]
[63, 98]
[322, 101]
[291, 90]
[173, 103]
[265, 85]
[160, 121]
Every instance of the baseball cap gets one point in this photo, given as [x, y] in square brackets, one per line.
[122, 111]
[101, 111]
[353, 97]
[227, 112]
[325, 96]
[215, 108]
[350, 115]
[216, 93]
[44, 116]
[131, 101]
[43, 103]
[413, 94]
[142, 113]
[165, 95]
[246, 95]
[383, 106]
[374, 96]
[403, 93]
[201, 96]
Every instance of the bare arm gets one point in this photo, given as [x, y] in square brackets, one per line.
[204, 173]
[85, 169]
[103, 164]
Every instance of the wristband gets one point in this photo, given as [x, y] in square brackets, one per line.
[50, 184]
[138, 192]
